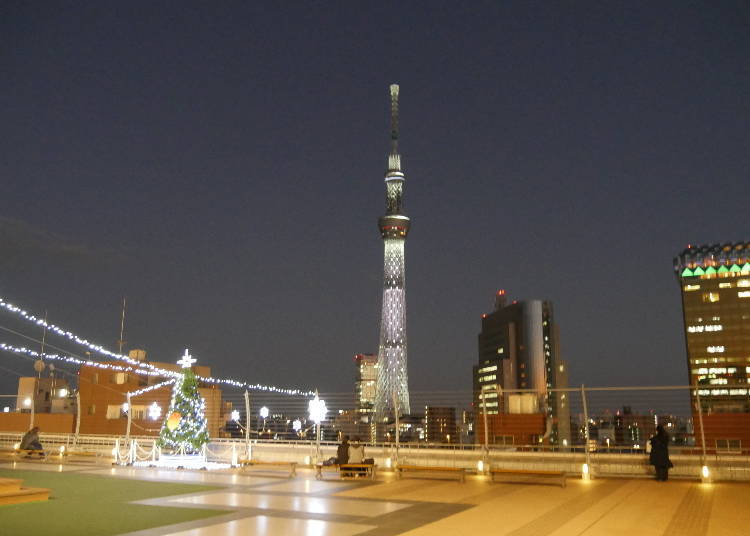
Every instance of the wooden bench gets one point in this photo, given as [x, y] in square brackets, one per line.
[347, 470]
[258, 463]
[72, 453]
[25, 453]
[543, 475]
[460, 472]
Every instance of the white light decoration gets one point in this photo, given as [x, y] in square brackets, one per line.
[139, 364]
[264, 412]
[6, 409]
[151, 388]
[187, 360]
[125, 407]
[154, 411]
[297, 425]
[317, 409]
[27, 401]
[63, 392]
[235, 415]
[62, 449]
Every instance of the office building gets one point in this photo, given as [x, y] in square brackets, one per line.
[518, 370]
[715, 286]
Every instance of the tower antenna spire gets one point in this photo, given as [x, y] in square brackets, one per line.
[394, 159]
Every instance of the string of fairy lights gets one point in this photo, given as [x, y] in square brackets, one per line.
[138, 367]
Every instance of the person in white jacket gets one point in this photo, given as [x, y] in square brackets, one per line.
[356, 451]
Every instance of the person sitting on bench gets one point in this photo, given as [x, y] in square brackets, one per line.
[30, 440]
[356, 453]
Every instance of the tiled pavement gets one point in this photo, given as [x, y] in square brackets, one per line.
[260, 504]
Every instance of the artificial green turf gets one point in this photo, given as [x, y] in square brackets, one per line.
[90, 505]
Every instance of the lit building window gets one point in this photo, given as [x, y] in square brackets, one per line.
[701, 329]
[501, 350]
[689, 288]
[710, 297]
[487, 369]
[725, 285]
[714, 349]
[743, 283]
[488, 377]
[743, 294]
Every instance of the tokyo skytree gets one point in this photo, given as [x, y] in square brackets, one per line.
[392, 388]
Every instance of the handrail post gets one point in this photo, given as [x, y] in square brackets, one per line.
[395, 412]
[486, 450]
[586, 429]
[78, 417]
[705, 473]
[130, 413]
[247, 426]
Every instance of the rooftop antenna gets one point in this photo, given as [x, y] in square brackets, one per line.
[394, 159]
[121, 341]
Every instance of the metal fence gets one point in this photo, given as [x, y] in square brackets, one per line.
[606, 428]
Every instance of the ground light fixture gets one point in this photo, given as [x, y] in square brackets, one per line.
[585, 473]
[705, 474]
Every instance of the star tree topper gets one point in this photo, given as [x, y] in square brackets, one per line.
[187, 360]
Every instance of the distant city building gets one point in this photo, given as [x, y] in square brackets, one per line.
[45, 395]
[366, 378]
[441, 424]
[103, 392]
[715, 285]
[519, 366]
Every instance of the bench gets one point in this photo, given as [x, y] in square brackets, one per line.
[460, 472]
[258, 463]
[347, 470]
[558, 475]
[82, 454]
[25, 453]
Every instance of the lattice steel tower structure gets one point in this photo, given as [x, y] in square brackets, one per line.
[392, 392]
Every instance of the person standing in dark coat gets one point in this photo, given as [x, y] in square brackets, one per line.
[659, 456]
[342, 453]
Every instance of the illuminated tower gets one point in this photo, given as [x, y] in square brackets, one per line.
[393, 384]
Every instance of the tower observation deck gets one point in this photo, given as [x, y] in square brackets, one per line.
[392, 387]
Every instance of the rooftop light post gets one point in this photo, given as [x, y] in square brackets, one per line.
[317, 410]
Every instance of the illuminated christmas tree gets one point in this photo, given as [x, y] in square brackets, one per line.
[184, 428]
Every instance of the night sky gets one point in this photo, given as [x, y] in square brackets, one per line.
[221, 165]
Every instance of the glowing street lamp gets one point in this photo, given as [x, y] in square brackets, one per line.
[317, 409]
[264, 415]
[154, 411]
